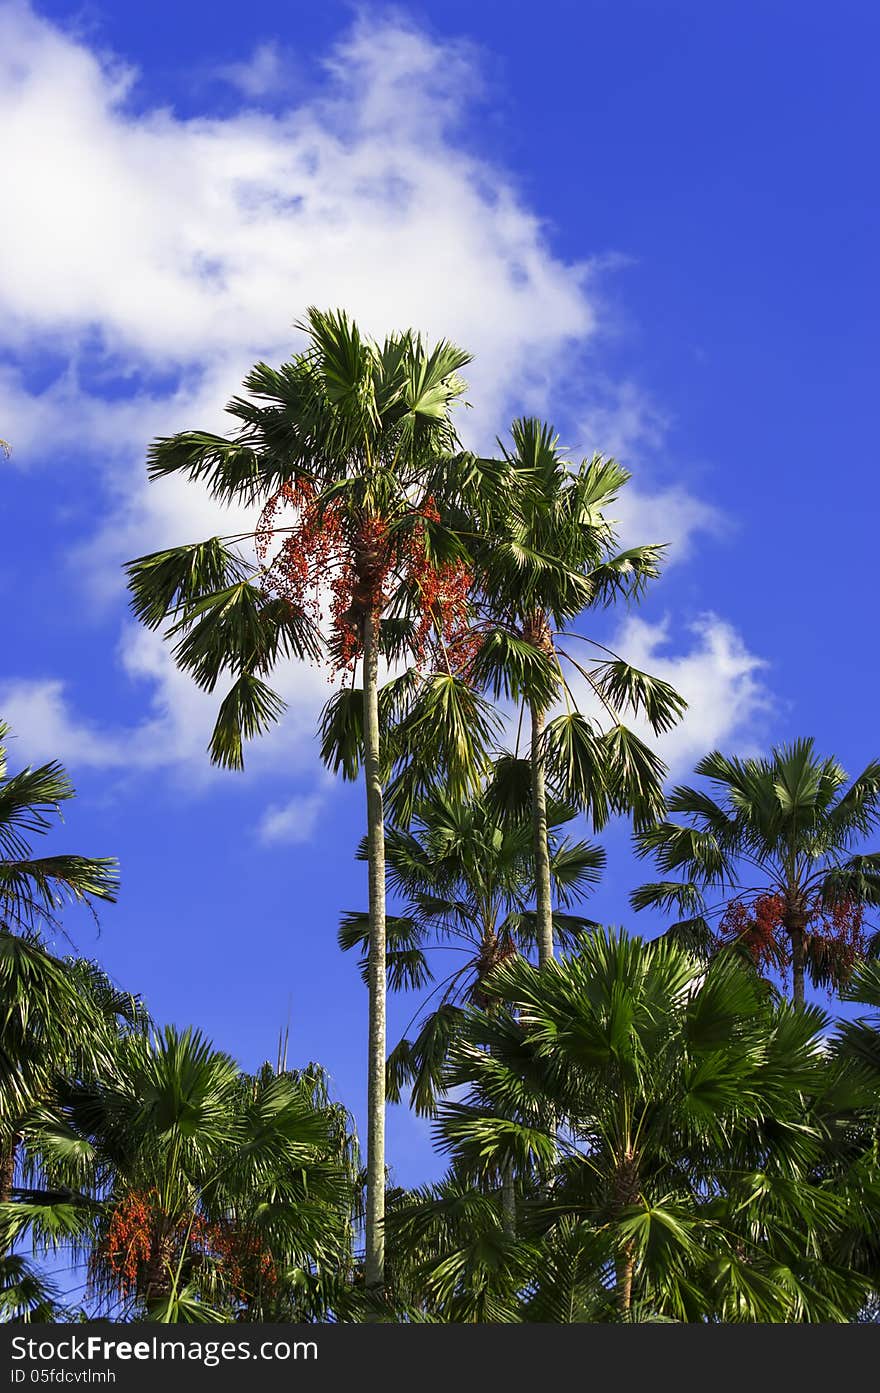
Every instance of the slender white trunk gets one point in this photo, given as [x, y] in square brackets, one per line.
[541, 842]
[375, 1215]
[543, 891]
[796, 926]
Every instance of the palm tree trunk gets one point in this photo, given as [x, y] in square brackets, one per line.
[508, 1201]
[543, 892]
[626, 1192]
[158, 1278]
[625, 1270]
[375, 1215]
[8, 1157]
[796, 935]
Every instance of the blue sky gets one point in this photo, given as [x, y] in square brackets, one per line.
[654, 223]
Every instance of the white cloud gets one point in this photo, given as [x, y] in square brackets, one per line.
[44, 727]
[292, 822]
[262, 74]
[672, 516]
[176, 729]
[181, 241]
[622, 421]
[168, 254]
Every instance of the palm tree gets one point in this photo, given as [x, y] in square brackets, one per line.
[453, 1257]
[197, 1192]
[62, 1018]
[552, 556]
[466, 880]
[772, 849]
[350, 454]
[857, 1045]
[280, 1216]
[694, 1182]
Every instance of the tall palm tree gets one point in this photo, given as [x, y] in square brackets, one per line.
[349, 455]
[773, 849]
[694, 1180]
[553, 556]
[467, 883]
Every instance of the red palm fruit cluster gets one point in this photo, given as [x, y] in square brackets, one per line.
[836, 939]
[129, 1242]
[140, 1231]
[309, 549]
[756, 927]
[360, 564]
[246, 1263]
[444, 611]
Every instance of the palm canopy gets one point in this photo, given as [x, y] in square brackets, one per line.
[693, 1121]
[550, 557]
[60, 1017]
[34, 889]
[436, 731]
[559, 554]
[198, 1192]
[774, 848]
[466, 881]
[349, 456]
[560, 559]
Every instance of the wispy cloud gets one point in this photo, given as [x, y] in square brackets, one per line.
[294, 821]
[263, 74]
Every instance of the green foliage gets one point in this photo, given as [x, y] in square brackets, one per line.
[466, 878]
[696, 1167]
[35, 889]
[785, 825]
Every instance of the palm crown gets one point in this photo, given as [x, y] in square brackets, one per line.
[774, 852]
[556, 558]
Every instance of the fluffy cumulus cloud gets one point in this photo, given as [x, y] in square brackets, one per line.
[152, 258]
[723, 683]
[191, 242]
[711, 667]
